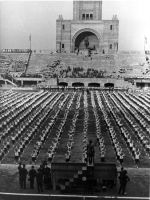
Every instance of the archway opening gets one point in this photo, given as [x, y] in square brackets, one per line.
[109, 85]
[77, 84]
[2, 82]
[94, 85]
[86, 40]
[63, 84]
[29, 83]
[140, 85]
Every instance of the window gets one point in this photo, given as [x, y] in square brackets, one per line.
[62, 46]
[91, 16]
[83, 16]
[63, 26]
[111, 27]
[110, 46]
[87, 16]
[117, 46]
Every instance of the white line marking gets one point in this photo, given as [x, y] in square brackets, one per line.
[79, 196]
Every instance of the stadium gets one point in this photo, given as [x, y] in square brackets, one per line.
[52, 103]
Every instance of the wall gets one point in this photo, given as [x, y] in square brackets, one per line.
[101, 29]
[119, 83]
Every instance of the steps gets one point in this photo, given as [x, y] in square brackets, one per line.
[79, 180]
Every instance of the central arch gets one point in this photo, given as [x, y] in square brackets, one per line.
[63, 84]
[86, 39]
[109, 85]
[77, 84]
[94, 85]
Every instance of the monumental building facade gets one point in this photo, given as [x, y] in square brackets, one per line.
[87, 30]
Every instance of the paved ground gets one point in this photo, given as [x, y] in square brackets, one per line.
[137, 187]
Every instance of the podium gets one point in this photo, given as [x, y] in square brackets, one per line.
[64, 174]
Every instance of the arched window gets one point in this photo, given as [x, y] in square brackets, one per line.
[87, 16]
[111, 27]
[83, 16]
[91, 16]
[63, 26]
[110, 46]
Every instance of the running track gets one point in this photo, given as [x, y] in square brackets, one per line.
[20, 196]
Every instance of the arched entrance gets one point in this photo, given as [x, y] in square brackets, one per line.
[86, 39]
[109, 85]
[63, 84]
[77, 84]
[140, 85]
[93, 85]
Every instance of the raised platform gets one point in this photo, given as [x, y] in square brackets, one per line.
[65, 174]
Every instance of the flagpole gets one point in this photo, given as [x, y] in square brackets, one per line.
[30, 40]
[144, 43]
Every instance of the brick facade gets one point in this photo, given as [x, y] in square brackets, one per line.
[87, 24]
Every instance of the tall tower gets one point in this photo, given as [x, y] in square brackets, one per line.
[87, 30]
[87, 10]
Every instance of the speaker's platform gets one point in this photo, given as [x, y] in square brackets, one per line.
[65, 174]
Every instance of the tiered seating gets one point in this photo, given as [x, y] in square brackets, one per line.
[13, 62]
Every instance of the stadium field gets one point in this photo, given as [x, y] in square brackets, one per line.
[114, 117]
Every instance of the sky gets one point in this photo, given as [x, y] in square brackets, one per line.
[20, 18]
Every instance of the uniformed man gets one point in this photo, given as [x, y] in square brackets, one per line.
[19, 170]
[47, 177]
[90, 152]
[23, 177]
[39, 180]
[32, 175]
[123, 182]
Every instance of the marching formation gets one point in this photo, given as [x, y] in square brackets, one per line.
[56, 125]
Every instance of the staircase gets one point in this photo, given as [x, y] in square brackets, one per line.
[80, 182]
[30, 53]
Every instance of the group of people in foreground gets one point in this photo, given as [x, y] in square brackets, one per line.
[42, 177]
[43, 174]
